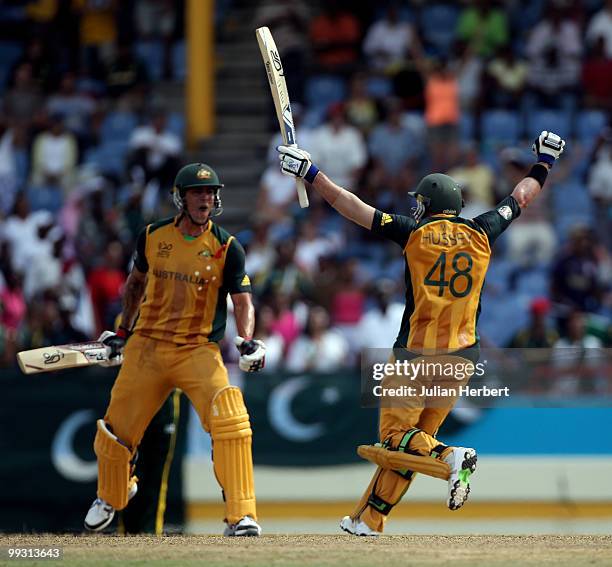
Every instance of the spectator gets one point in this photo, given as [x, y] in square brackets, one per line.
[554, 50]
[576, 273]
[277, 193]
[311, 246]
[155, 151]
[98, 33]
[286, 323]
[334, 36]
[597, 77]
[12, 303]
[339, 147]
[22, 230]
[600, 186]
[505, 80]
[24, 99]
[286, 277]
[126, 75]
[538, 334]
[378, 327]
[261, 255]
[442, 113]
[105, 283]
[534, 243]
[156, 21]
[275, 346]
[40, 58]
[575, 358]
[600, 27]
[54, 156]
[468, 67]
[348, 304]
[9, 182]
[476, 177]
[288, 20]
[394, 148]
[484, 26]
[361, 110]
[76, 107]
[320, 349]
[44, 271]
[389, 41]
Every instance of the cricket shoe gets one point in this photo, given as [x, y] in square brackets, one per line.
[101, 513]
[462, 462]
[246, 527]
[357, 527]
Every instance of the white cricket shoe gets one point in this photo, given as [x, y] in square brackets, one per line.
[462, 461]
[246, 527]
[101, 513]
[357, 527]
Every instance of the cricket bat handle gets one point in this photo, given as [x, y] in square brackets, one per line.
[302, 195]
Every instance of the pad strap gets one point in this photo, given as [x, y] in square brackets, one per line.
[379, 504]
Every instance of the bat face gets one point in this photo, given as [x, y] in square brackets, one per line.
[280, 95]
[48, 359]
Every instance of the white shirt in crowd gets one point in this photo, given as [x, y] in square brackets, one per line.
[325, 355]
[160, 145]
[601, 26]
[339, 153]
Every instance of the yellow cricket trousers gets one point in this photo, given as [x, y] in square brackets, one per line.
[150, 371]
[408, 424]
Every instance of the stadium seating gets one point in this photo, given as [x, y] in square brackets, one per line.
[323, 90]
[151, 53]
[117, 126]
[438, 22]
[557, 121]
[179, 61]
[10, 52]
[501, 127]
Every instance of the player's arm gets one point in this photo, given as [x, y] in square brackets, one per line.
[547, 147]
[238, 284]
[296, 162]
[133, 294]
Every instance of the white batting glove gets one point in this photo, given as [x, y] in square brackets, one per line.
[293, 161]
[114, 343]
[252, 354]
[548, 147]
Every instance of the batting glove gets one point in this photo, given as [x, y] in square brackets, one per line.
[297, 163]
[548, 147]
[114, 343]
[252, 354]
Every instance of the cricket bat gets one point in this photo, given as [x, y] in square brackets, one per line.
[278, 86]
[48, 359]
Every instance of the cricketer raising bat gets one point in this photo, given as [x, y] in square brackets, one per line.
[48, 359]
[278, 86]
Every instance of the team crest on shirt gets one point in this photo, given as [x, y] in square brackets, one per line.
[203, 173]
[505, 212]
[385, 219]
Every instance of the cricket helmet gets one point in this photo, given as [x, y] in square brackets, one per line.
[437, 194]
[196, 175]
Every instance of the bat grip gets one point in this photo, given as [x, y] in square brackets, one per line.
[302, 195]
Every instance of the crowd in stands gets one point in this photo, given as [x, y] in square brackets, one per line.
[383, 94]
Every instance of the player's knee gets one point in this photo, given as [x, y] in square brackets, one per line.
[228, 415]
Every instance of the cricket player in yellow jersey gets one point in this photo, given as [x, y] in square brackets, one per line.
[446, 261]
[174, 314]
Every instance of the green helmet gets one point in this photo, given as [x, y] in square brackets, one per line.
[196, 175]
[438, 194]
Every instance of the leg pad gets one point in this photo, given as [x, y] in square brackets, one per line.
[114, 467]
[231, 433]
[396, 460]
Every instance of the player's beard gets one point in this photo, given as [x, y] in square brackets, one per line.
[198, 215]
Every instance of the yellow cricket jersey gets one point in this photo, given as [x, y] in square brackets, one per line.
[446, 262]
[187, 282]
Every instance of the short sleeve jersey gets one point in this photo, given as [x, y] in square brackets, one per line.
[187, 282]
[446, 262]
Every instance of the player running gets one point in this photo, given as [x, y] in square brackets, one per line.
[446, 261]
[174, 314]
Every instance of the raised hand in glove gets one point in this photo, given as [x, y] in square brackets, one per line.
[114, 343]
[296, 162]
[548, 147]
[252, 354]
